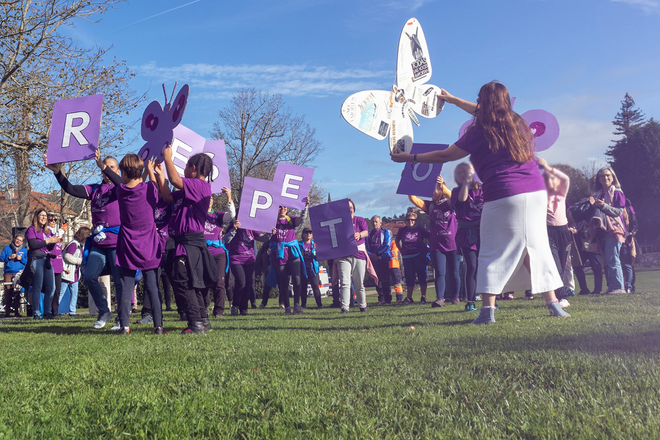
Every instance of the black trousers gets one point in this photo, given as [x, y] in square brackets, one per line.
[189, 299]
[243, 284]
[560, 245]
[167, 292]
[56, 295]
[290, 269]
[594, 262]
[383, 288]
[127, 277]
[311, 279]
[219, 290]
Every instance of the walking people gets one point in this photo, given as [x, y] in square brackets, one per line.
[515, 252]
[72, 255]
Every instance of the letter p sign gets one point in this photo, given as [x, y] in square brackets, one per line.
[75, 129]
[258, 209]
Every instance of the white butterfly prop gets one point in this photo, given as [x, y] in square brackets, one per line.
[377, 112]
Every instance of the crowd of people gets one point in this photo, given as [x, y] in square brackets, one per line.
[510, 227]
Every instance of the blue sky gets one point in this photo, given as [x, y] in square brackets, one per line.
[573, 58]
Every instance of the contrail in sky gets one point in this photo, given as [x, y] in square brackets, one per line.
[156, 15]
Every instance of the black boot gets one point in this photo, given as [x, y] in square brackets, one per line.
[206, 323]
[194, 328]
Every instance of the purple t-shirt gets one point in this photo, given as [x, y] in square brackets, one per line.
[286, 233]
[412, 240]
[308, 255]
[191, 205]
[105, 211]
[443, 225]
[138, 244]
[39, 236]
[501, 175]
[469, 211]
[57, 262]
[71, 249]
[213, 231]
[359, 225]
[162, 215]
[241, 247]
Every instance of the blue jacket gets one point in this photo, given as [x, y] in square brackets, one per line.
[13, 266]
[315, 263]
[385, 249]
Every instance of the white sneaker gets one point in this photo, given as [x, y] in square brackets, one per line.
[477, 298]
[100, 323]
[564, 303]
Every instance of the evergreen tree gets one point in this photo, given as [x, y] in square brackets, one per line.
[636, 161]
[628, 117]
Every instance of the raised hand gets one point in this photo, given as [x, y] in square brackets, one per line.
[167, 152]
[399, 156]
[151, 165]
[55, 167]
[99, 161]
[445, 96]
[227, 191]
[439, 181]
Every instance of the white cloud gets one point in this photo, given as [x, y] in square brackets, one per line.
[411, 5]
[648, 6]
[220, 81]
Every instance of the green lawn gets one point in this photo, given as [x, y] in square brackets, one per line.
[394, 372]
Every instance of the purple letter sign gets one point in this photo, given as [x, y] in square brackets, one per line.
[259, 205]
[419, 180]
[216, 151]
[75, 129]
[185, 144]
[333, 230]
[295, 182]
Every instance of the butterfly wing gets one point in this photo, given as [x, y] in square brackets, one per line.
[178, 106]
[369, 111]
[401, 135]
[153, 119]
[413, 64]
[423, 99]
[545, 127]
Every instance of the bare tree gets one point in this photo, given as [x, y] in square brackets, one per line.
[259, 131]
[38, 66]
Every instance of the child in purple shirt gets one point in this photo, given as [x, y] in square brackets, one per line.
[411, 241]
[138, 243]
[214, 242]
[193, 267]
[468, 201]
[442, 241]
[286, 257]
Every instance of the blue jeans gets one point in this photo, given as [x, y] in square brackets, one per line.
[95, 263]
[446, 263]
[628, 268]
[73, 288]
[42, 281]
[613, 272]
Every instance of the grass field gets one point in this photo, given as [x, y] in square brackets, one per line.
[394, 372]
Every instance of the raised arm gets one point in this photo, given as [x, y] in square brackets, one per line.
[467, 106]
[421, 204]
[79, 191]
[440, 156]
[564, 180]
[165, 192]
[231, 208]
[303, 215]
[175, 179]
[114, 177]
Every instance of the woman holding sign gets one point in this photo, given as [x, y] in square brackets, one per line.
[354, 266]
[442, 241]
[101, 246]
[286, 256]
[411, 240]
[515, 252]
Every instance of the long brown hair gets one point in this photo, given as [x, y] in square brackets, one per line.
[35, 219]
[503, 127]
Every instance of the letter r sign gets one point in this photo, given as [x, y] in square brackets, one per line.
[75, 129]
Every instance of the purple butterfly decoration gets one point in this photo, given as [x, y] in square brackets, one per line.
[544, 126]
[158, 123]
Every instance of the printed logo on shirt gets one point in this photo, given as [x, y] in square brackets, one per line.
[159, 213]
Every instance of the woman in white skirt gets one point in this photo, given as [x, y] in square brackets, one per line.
[515, 252]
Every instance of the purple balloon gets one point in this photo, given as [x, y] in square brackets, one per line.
[544, 126]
